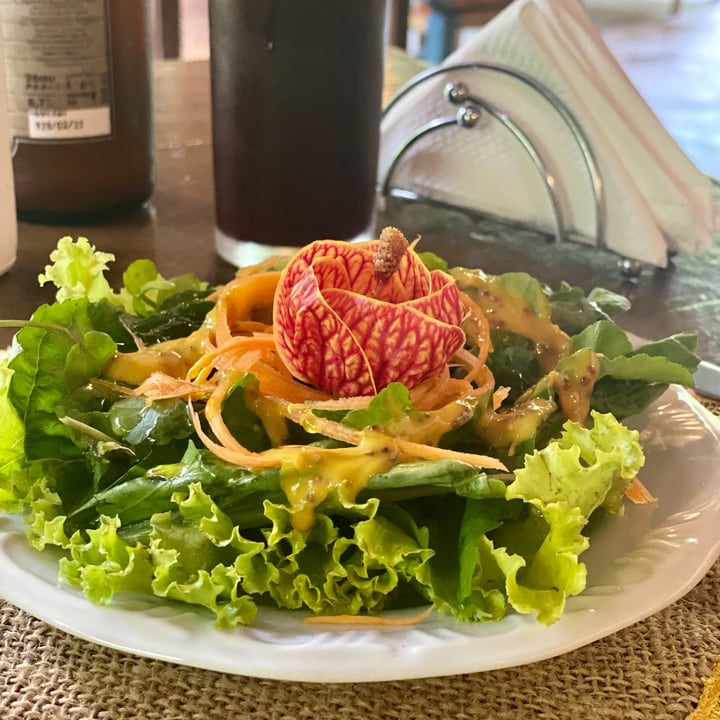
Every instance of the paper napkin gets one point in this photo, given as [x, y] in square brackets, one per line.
[655, 199]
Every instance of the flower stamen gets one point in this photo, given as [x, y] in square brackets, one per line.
[392, 246]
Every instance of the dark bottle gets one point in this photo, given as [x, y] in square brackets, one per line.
[80, 105]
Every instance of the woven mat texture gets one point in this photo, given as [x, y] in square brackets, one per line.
[655, 669]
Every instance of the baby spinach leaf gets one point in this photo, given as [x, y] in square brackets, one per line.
[603, 336]
[243, 423]
[572, 310]
[426, 477]
[390, 403]
[176, 317]
[513, 362]
[138, 497]
[145, 291]
[137, 421]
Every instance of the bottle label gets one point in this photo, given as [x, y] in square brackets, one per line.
[58, 69]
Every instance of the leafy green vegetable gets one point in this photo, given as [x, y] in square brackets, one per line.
[13, 486]
[527, 287]
[572, 310]
[204, 560]
[145, 292]
[433, 262]
[134, 499]
[13, 434]
[391, 403]
[514, 362]
[566, 482]
[51, 365]
[123, 488]
[78, 271]
[136, 421]
[465, 576]
[241, 420]
[176, 317]
[630, 379]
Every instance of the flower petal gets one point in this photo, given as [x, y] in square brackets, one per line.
[401, 343]
[316, 345]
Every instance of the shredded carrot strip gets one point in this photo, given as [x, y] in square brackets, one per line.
[480, 320]
[430, 452]
[277, 383]
[239, 361]
[239, 301]
[242, 343]
[365, 620]
[499, 396]
[242, 456]
[213, 414]
[437, 391]
[244, 272]
[159, 386]
[252, 327]
[337, 431]
[345, 403]
[639, 494]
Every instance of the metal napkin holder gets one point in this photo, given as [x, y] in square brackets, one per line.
[470, 109]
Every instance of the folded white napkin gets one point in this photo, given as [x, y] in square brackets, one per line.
[656, 199]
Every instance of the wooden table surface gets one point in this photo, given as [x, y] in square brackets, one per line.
[176, 231]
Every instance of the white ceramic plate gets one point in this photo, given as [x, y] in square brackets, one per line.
[637, 565]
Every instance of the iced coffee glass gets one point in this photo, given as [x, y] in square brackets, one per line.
[296, 101]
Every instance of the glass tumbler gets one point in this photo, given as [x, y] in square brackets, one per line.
[296, 103]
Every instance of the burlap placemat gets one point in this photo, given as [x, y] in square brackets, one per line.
[658, 669]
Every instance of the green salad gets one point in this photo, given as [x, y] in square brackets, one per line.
[352, 430]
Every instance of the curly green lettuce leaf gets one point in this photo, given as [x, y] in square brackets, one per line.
[77, 270]
[194, 560]
[12, 438]
[586, 467]
[103, 564]
[565, 482]
[332, 573]
[199, 556]
[182, 561]
[545, 578]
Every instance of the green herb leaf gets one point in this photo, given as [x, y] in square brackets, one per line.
[53, 364]
[391, 403]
